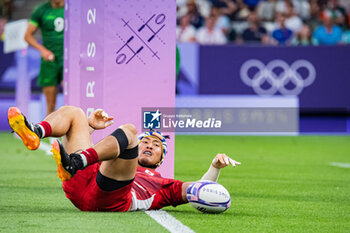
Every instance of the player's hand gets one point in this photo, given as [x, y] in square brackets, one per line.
[47, 55]
[99, 119]
[222, 160]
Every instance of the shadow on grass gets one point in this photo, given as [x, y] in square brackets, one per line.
[31, 188]
[23, 209]
[190, 212]
[309, 197]
[8, 209]
[36, 209]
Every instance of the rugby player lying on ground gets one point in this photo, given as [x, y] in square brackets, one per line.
[116, 174]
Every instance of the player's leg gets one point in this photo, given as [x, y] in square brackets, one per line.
[49, 78]
[109, 188]
[67, 121]
[76, 137]
[119, 152]
[70, 123]
[50, 93]
[121, 167]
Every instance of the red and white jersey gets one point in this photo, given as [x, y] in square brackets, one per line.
[148, 191]
[151, 191]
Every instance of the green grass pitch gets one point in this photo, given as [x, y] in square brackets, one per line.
[285, 184]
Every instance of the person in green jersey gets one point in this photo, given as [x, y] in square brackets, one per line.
[49, 17]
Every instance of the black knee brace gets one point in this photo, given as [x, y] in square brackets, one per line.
[121, 138]
[130, 153]
[108, 184]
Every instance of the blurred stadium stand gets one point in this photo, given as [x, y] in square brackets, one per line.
[22, 9]
[324, 119]
[302, 17]
[12, 10]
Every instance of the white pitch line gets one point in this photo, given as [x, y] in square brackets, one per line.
[343, 165]
[168, 222]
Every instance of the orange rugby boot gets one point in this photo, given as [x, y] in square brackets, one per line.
[23, 128]
[67, 165]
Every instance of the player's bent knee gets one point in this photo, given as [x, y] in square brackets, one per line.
[131, 133]
[122, 139]
[132, 153]
[108, 184]
[78, 111]
[129, 129]
[72, 110]
[64, 108]
[125, 138]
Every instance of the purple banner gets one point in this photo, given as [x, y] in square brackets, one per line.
[140, 62]
[91, 55]
[319, 76]
[65, 51]
[121, 58]
[71, 83]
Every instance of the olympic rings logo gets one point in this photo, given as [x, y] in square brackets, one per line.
[278, 82]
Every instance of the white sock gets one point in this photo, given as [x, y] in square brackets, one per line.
[42, 130]
[83, 158]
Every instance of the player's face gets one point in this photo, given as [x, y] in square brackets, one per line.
[150, 151]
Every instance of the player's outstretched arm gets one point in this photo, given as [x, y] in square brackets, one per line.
[99, 119]
[46, 54]
[219, 161]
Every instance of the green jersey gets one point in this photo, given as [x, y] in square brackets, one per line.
[51, 23]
